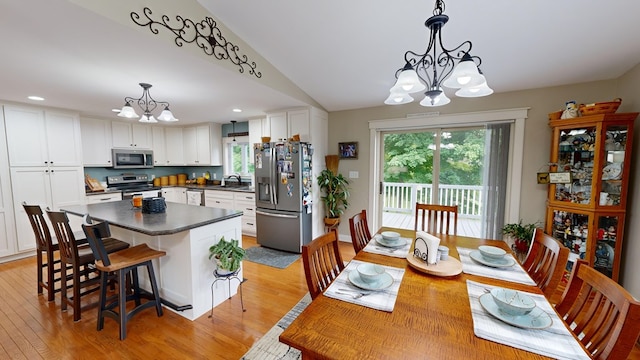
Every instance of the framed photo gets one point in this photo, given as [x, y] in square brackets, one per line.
[348, 150]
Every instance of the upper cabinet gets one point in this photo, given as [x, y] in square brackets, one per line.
[202, 144]
[131, 135]
[96, 142]
[174, 142]
[159, 146]
[38, 137]
[285, 124]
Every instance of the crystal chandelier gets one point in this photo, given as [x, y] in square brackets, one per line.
[147, 104]
[437, 67]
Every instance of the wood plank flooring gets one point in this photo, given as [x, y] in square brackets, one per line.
[32, 328]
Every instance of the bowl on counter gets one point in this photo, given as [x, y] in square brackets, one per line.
[370, 273]
[512, 302]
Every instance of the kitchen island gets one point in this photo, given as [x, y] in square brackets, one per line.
[185, 232]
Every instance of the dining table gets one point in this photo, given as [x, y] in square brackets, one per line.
[432, 317]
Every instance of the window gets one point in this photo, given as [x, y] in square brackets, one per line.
[237, 156]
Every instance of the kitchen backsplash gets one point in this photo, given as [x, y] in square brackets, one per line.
[101, 173]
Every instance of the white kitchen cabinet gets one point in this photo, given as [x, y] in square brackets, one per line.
[103, 198]
[285, 124]
[219, 199]
[96, 142]
[174, 142]
[175, 194]
[255, 133]
[52, 187]
[38, 137]
[246, 202]
[8, 242]
[131, 135]
[159, 146]
[202, 145]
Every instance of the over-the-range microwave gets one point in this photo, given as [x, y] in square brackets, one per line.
[132, 158]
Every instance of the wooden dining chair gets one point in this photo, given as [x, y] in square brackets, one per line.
[440, 219]
[600, 312]
[360, 235]
[322, 262]
[546, 261]
[76, 259]
[118, 266]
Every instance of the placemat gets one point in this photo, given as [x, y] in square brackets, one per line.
[375, 248]
[513, 273]
[384, 299]
[555, 341]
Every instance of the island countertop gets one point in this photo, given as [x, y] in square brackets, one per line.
[177, 218]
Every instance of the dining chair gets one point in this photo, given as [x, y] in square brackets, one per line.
[360, 235]
[600, 312]
[322, 262]
[441, 219]
[76, 259]
[546, 261]
[118, 266]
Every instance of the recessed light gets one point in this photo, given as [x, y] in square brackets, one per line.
[237, 110]
[36, 98]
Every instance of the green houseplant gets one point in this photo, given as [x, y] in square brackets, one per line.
[228, 255]
[336, 194]
[522, 235]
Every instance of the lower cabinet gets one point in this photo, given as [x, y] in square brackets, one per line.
[102, 198]
[241, 201]
[175, 194]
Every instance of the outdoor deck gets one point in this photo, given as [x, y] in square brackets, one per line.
[466, 226]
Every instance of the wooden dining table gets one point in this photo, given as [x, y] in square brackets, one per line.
[431, 318]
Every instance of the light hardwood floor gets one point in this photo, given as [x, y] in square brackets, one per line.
[32, 328]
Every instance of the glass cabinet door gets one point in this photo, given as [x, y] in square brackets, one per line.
[607, 233]
[572, 229]
[613, 165]
[576, 150]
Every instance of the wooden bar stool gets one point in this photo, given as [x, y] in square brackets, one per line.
[117, 266]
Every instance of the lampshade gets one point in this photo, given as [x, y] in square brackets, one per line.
[433, 98]
[465, 74]
[148, 105]
[166, 115]
[397, 98]
[475, 91]
[408, 81]
[128, 111]
[147, 118]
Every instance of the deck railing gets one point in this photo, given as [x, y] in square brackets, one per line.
[402, 197]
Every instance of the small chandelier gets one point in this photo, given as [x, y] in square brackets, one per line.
[437, 67]
[147, 104]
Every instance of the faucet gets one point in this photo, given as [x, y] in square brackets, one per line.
[237, 177]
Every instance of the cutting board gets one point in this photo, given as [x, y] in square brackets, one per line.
[93, 184]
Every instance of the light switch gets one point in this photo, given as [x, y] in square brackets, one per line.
[353, 175]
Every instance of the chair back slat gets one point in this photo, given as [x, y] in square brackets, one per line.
[64, 234]
[600, 312]
[440, 219]
[546, 261]
[322, 262]
[95, 233]
[39, 226]
[360, 234]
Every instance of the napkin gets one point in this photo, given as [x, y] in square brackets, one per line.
[513, 273]
[375, 248]
[555, 341]
[384, 299]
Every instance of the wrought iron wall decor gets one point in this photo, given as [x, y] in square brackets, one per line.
[205, 34]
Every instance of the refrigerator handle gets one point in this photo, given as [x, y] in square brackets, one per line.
[276, 215]
[273, 173]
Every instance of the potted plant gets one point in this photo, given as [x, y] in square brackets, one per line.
[522, 234]
[228, 255]
[336, 195]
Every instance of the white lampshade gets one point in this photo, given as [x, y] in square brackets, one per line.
[396, 98]
[147, 118]
[465, 74]
[127, 111]
[439, 100]
[166, 115]
[408, 81]
[475, 91]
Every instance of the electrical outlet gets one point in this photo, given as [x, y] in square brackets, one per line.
[353, 175]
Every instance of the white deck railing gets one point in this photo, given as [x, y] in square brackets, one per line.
[402, 197]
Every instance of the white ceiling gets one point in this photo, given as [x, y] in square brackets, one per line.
[341, 53]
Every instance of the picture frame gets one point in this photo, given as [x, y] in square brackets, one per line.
[348, 150]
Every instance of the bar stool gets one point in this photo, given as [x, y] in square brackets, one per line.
[117, 266]
[226, 277]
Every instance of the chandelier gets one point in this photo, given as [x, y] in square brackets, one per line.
[437, 67]
[147, 104]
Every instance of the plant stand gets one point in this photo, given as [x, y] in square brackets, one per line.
[331, 225]
[226, 277]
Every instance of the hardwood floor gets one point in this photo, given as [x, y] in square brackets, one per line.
[32, 328]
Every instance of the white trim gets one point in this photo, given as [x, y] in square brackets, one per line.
[516, 151]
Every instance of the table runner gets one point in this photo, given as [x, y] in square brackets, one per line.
[514, 273]
[375, 248]
[385, 299]
[555, 341]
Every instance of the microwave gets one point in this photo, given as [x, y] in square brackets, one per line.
[132, 158]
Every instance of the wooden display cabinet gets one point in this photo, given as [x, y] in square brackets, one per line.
[587, 212]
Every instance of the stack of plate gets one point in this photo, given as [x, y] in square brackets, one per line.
[391, 239]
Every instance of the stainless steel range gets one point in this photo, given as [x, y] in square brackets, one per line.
[131, 184]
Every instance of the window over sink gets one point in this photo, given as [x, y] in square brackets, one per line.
[237, 156]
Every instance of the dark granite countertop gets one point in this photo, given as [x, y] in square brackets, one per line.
[177, 218]
[244, 189]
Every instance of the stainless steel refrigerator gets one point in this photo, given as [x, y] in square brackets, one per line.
[283, 198]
